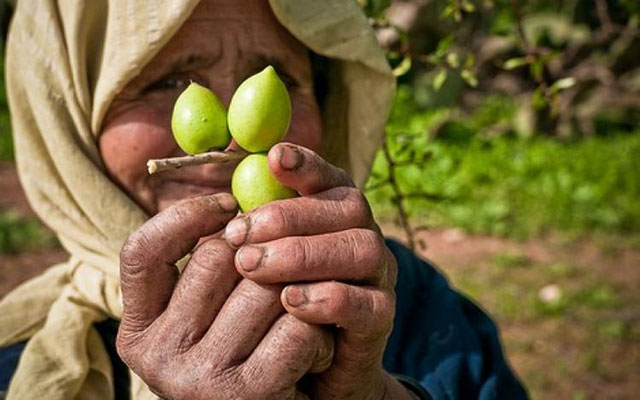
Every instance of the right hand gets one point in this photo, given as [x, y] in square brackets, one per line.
[207, 333]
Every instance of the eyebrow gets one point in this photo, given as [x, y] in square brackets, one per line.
[190, 62]
[193, 61]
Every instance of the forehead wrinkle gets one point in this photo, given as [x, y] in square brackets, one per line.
[180, 58]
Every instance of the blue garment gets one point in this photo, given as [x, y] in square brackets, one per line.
[440, 340]
[443, 340]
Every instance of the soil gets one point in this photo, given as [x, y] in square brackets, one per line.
[17, 268]
[558, 356]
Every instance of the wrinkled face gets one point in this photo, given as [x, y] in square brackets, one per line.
[220, 45]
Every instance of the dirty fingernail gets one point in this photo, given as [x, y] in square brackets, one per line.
[236, 231]
[250, 257]
[295, 296]
[290, 158]
[226, 202]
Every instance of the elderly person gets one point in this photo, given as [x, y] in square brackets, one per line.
[300, 298]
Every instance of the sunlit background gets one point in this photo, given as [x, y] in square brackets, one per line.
[512, 161]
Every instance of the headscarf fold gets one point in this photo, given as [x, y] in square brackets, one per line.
[65, 62]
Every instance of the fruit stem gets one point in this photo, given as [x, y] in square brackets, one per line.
[204, 158]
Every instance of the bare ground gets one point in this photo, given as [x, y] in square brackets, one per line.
[582, 342]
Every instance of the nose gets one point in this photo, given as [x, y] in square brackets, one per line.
[223, 84]
[234, 146]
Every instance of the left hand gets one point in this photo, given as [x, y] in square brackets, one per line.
[327, 248]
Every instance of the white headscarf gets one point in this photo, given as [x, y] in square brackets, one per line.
[66, 61]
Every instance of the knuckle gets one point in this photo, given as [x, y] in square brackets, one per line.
[367, 246]
[383, 308]
[273, 216]
[137, 356]
[212, 255]
[338, 300]
[299, 250]
[181, 211]
[123, 347]
[364, 238]
[253, 295]
[357, 199]
[340, 175]
[135, 253]
[251, 387]
[300, 335]
[242, 381]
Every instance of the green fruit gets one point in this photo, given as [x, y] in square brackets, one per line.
[199, 121]
[260, 112]
[253, 184]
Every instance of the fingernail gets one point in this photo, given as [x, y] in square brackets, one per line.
[290, 158]
[236, 231]
[250, 257]
[226, 202]
[295, 296]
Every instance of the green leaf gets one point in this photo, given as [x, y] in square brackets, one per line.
[537, 67]
[514, 63]
[469, 77]
[564, 83]
[470, 61]
[439, 80]
[444, 44]
[468, 6]
[538, 101]
[403, 67]
[453, 60]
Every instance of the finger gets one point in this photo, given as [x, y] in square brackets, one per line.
[244, 319]
[147, 259]
[289, 350]
[333, 210]
[304, 171]
[363, 312]
[356, 255]
[203, 287]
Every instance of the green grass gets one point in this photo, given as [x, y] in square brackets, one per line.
[512, 186]
[18, 234]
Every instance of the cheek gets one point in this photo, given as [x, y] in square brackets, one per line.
[130, 139]
[306, 124]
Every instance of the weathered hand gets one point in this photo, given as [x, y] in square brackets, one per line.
[207, 333]
[327, 248]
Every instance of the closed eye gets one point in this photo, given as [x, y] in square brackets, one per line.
[168, 83]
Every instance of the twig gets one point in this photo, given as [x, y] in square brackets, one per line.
[603, 15]
[532, 53]
[398, 197]
[205, 158]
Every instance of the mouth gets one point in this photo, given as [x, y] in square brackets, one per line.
[183, 187]
[168, 192]
[173, 185]
[205, 176]
[199, 183]
[188, 182]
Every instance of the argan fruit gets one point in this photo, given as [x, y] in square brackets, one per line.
[199, 121]
[260, 112]
[253, 184]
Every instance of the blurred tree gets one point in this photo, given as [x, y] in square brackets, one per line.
[567, 69]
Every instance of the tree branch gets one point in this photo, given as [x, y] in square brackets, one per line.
[154, 166]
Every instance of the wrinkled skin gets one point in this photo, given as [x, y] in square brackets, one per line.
[299, 290]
